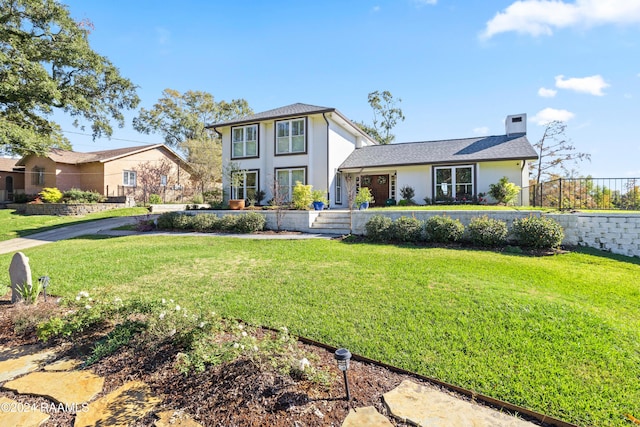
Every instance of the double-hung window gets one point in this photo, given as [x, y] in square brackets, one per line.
[454, 183]
[244, 141]
[291, 136]
[129, 178]
[287, 179]
[248, 187]
[37, 176]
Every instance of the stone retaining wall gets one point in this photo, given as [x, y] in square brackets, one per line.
[63, 209]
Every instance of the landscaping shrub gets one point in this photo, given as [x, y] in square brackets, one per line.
[205, 223]
[377, 228]
[174, 221]
[228, 222]
[155, 199]
[301, 196]
[250, 222]
[537, 232]
[406, 229]
[443, 229]
[504, 191]
[80, 196]
[403, 203]
[485, 231]
[50, 195]
[408, 193]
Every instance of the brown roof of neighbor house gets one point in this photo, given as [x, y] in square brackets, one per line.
[8, 165]
[74, 157]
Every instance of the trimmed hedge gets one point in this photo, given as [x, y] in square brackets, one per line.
[485, 231]
[443, 229]
[377, 228]
[406, 229]
[538, 232]
[245, 223]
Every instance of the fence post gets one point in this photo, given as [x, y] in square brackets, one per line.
[560, 195]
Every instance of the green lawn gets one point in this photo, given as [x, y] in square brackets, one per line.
[14, 225]
[559, 335]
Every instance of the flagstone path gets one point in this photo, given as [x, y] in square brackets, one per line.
[26, 370]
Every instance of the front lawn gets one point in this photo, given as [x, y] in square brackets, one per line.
[14, 225]
[558, 334]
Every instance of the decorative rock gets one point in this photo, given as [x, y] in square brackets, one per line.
[21, 360]
[419, 405]
[20, 276]
[367, 416]
[69, 388]
[175, 419]
[120, 408]
[13, 413]
[63, 365]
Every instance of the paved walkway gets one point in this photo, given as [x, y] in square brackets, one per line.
[29, 371]
[106, 227]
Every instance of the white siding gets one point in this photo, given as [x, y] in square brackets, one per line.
[490, 172]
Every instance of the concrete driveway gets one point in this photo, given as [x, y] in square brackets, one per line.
[67, 232]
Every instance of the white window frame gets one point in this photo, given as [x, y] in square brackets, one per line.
[289, 137]
[128, 177]
[453, 184]
[243, 141]
[163, 180]
[241, 192]
[290, 182]
[338, 189]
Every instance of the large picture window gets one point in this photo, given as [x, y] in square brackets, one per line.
[290, 136]
[37, 176]
[454, 183]
[249, 187]
[287, 179]
[244, 141]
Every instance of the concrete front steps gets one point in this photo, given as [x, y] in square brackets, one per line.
[332, 222]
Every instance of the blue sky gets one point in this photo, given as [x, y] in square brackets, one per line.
[460, 67]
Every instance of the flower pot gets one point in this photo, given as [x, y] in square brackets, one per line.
[236, 204]
[364, 205]
[318, 206]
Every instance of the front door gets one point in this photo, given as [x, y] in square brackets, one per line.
[379, 186]
[8, 185]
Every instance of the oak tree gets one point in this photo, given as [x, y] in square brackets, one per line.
[47, 65]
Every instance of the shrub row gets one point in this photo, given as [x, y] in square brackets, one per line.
[245, 223]
[533, 231]
[53, 195]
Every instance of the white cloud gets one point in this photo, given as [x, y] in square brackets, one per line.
[482, 130]
[541, 17]
[628, 96]
[163, 36]
[547, 93]
[423, 2]
[592, 85]
[550, 114]
[375, 9]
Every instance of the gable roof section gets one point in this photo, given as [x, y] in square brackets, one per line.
[490, 148]
[293, 110]
[77, 158]
[10, 165]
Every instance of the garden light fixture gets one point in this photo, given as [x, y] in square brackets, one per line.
[342, 356]
[44, 281]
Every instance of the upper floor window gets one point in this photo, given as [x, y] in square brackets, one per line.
[129, 178]
[290, 136]
[37, 176]
[244, 141]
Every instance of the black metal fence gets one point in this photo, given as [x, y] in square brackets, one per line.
[586, 193]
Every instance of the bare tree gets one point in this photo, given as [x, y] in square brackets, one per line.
[154, 178]
[350, 186]
[278, 201]
[555, 151]
[386, 114]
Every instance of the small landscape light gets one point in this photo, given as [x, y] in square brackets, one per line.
[342, 356]
[44, 281]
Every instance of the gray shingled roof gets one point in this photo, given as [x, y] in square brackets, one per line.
[502, 147]
[277, 113]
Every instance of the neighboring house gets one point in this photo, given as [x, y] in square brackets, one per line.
[321, 147]
[134, 171]
[11, 179]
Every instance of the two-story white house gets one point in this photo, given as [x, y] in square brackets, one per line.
[321, 147]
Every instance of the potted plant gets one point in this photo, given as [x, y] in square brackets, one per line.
[319, 199]
[236, 179]
[364, 198]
